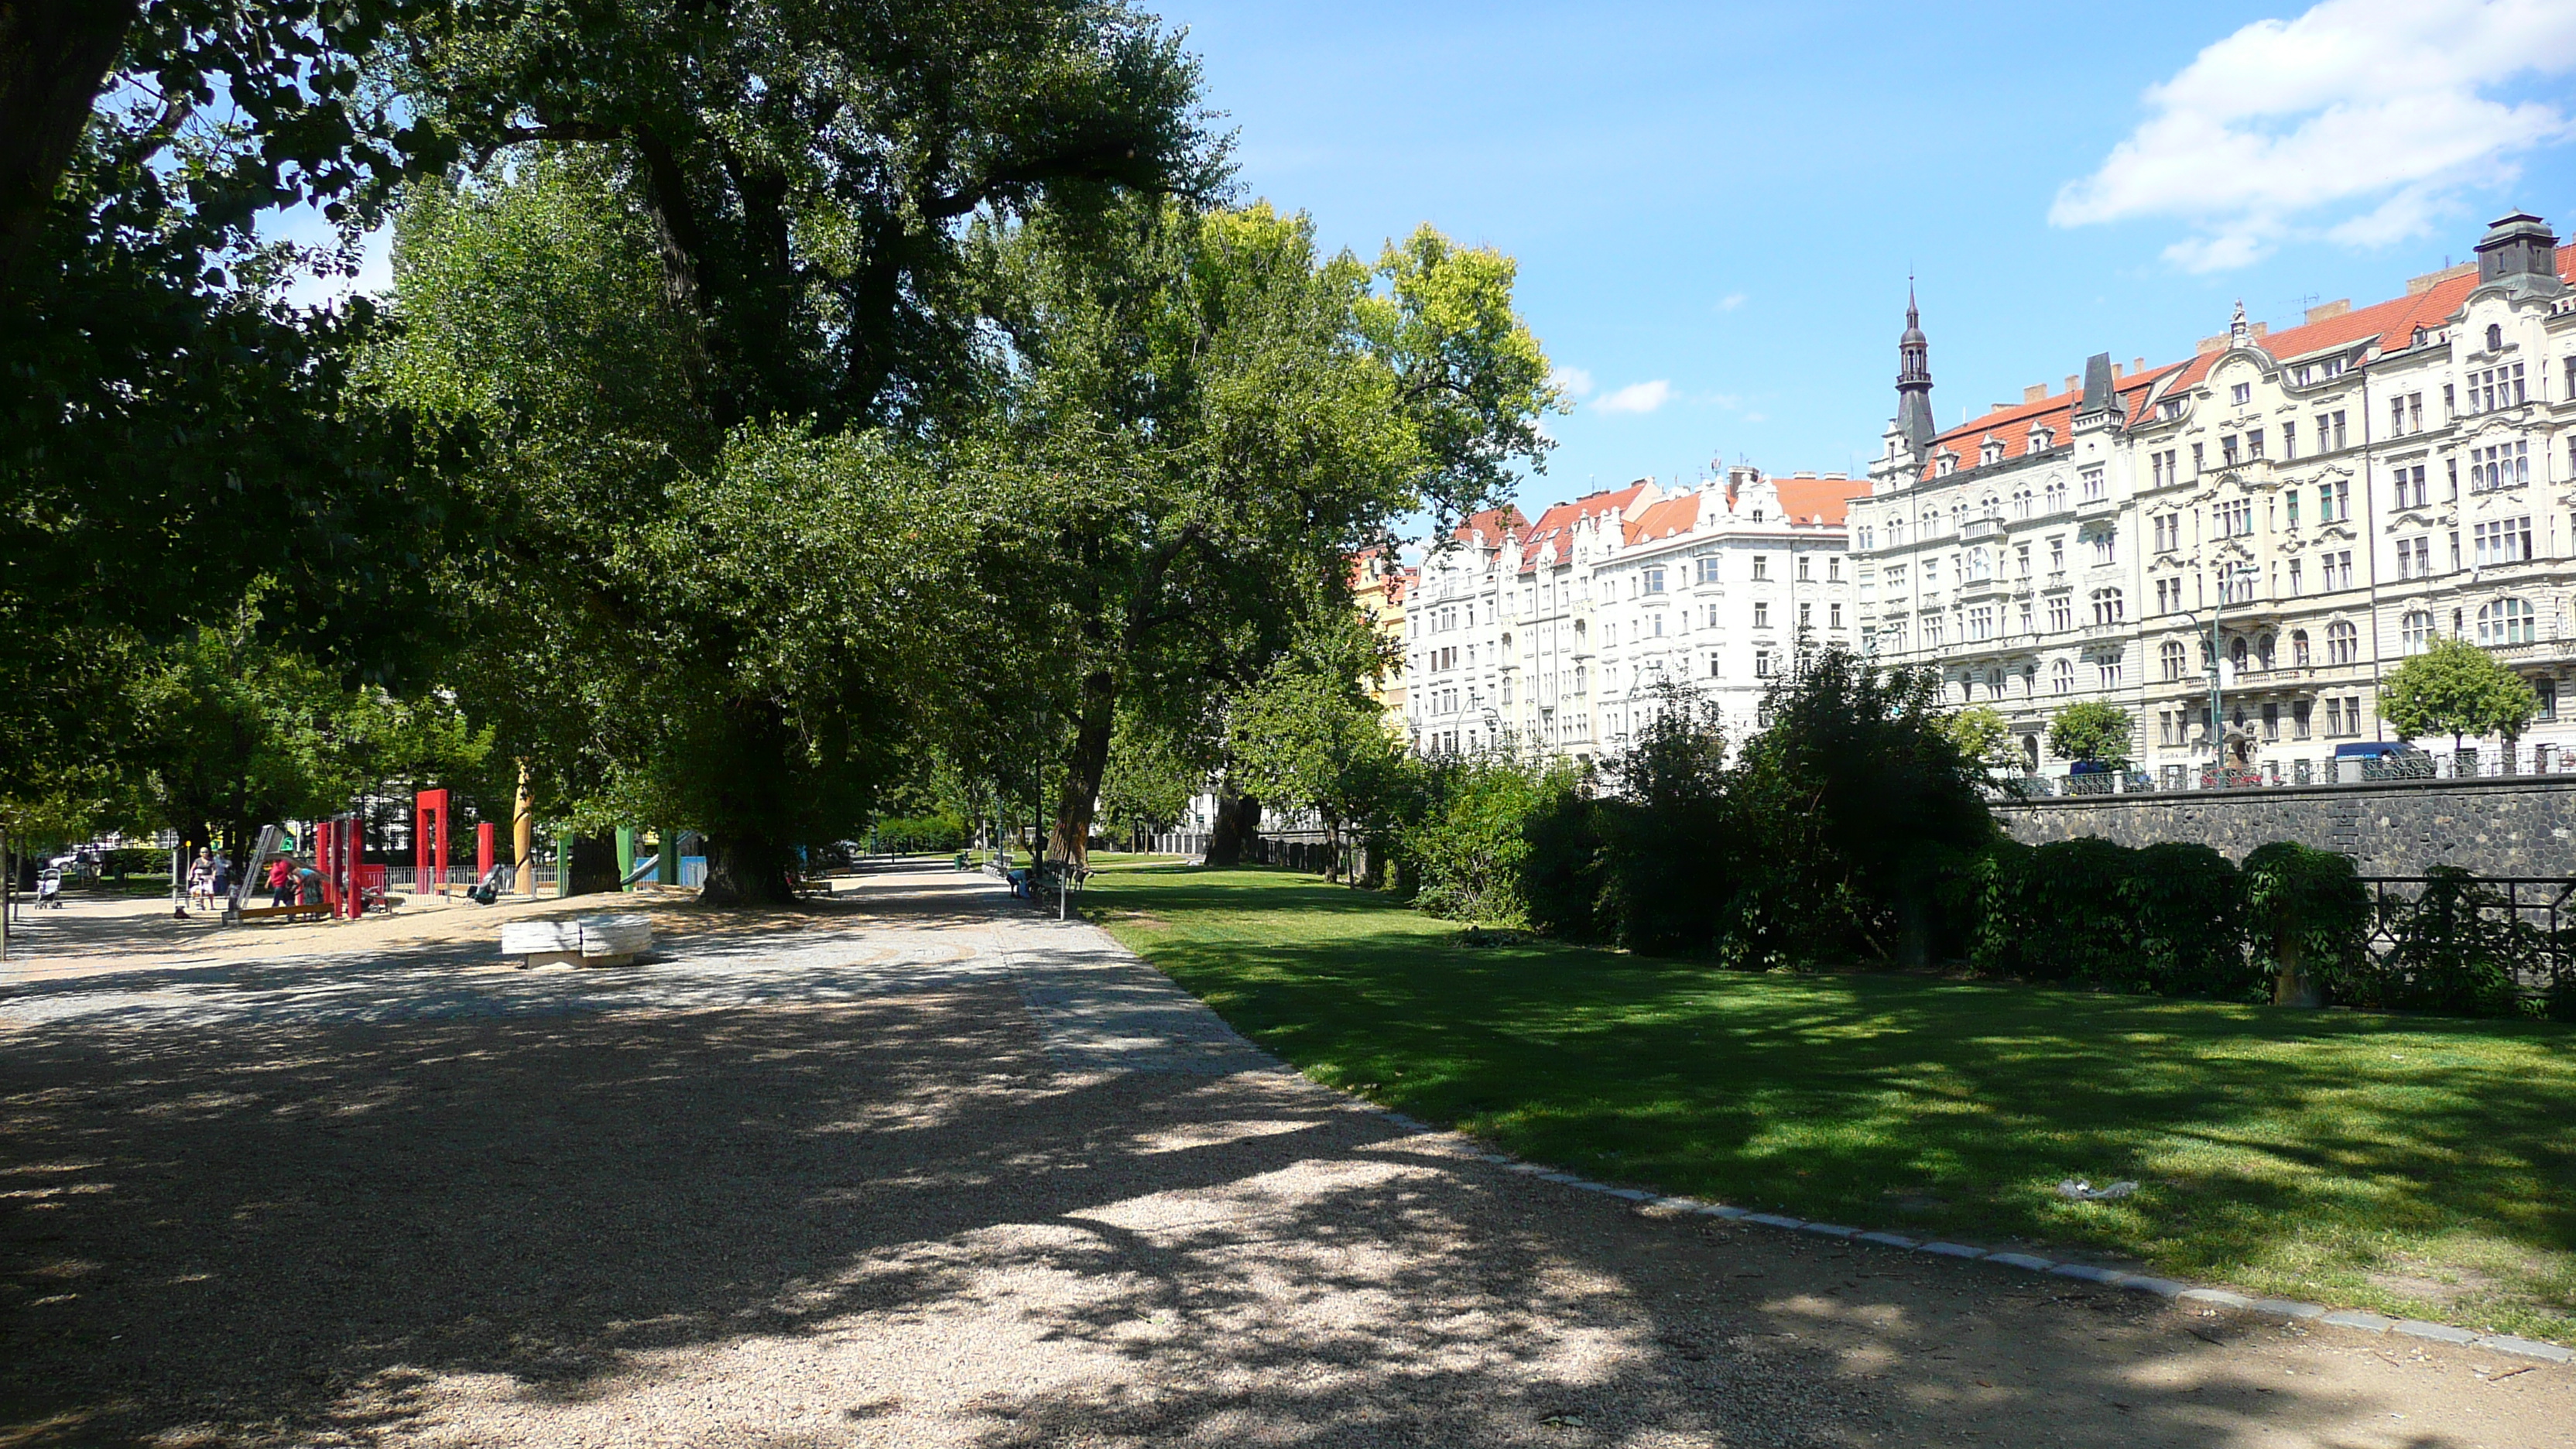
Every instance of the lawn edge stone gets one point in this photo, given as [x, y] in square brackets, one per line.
[2032, 1261]
[1951, 1250]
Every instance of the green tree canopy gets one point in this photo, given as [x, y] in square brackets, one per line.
[2458, 689]
[1307, 735]
[1982, 734]
[2095, 731]
[1221, 419]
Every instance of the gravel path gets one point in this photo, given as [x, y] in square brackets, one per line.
[947, 1174]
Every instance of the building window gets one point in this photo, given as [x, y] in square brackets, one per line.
[2495, 338]
[1761, 616]
[2343, 643]
[2093, 484]
[1981, 622]
[2061, 677]
[1654, 581]
[2547, 689]
[2410, 487]
[2104, 546]
[2501, 542]
[1834, 616]
[2109, 671]
[2299, 649]
[2503, 466]
[2507, 621]
[1761, 566]
[2241, 393]
[1762, 664]
[2236, 518]
[2053, 498]
[2106, 606]
[2415, 631]
[2171, 657]
[2299, 719]
[2061, 612]
[1708, 565]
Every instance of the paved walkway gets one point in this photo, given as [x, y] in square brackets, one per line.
[948, 1174]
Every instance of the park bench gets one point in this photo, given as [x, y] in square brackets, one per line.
[815, 886]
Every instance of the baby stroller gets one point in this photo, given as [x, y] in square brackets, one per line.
[49, 887]
[488, 890]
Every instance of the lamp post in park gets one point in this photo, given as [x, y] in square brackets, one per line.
[2238, 575]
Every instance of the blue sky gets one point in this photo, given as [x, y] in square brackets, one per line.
[1714, 207]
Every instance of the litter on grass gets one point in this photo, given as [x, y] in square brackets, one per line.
[2082, 1191]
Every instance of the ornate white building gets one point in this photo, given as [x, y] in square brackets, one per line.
[1548, 637]
[2326, 498]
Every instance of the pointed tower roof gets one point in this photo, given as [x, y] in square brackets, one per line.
[1914, 378]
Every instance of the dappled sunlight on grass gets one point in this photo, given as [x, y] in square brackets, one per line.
[2416, 1165]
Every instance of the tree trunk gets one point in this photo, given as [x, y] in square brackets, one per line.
[2291, 984]
[1238, 820]
[54, 57]
[749, 871]
[1084, 771]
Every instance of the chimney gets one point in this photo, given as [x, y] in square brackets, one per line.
[2116, 371]
[2138, 366]
[2208, 345]
[2034, 392]
[2070, 382]
[2325, 310]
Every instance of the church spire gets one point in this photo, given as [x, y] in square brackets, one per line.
[1914, 378]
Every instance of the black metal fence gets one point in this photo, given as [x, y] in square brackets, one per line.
[2499, 944]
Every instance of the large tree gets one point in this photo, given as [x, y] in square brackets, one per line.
[740, 234]
[1220, 418]
[2457, 689]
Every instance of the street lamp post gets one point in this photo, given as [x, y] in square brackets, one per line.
[2218, 682]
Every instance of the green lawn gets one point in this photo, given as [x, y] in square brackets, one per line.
[2414, 1165]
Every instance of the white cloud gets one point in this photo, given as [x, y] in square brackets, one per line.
[1730, 302]
[1637, 397]
[2363, 121]
[1571, 381]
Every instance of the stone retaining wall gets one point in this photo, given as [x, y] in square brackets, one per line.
[2507, 826]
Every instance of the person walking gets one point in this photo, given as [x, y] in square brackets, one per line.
[201, 879]
[281, 881]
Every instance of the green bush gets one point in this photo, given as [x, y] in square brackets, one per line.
[1466, 857]
[2074, 915]
[2167, 920]
[2308, 922]
[1561, 875]
[922, 832]
[2187, 905]
[128, 860]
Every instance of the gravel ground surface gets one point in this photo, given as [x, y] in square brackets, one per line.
[927, 1170]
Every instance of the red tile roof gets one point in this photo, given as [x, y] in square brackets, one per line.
[2391, 324]
[1826, 500]
[1556, 525]
[1488, 527]
[1676, 514]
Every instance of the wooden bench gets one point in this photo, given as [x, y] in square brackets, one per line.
[317, 911]
[810, 888]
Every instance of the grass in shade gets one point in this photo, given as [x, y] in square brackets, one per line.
[2418, 1166]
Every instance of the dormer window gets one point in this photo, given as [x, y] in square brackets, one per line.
[1942, 465]
[1990, 451]
[2241, 394]
[2169, 409]
[2041, 440]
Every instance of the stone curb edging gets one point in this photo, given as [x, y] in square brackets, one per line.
[2287, 1309]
